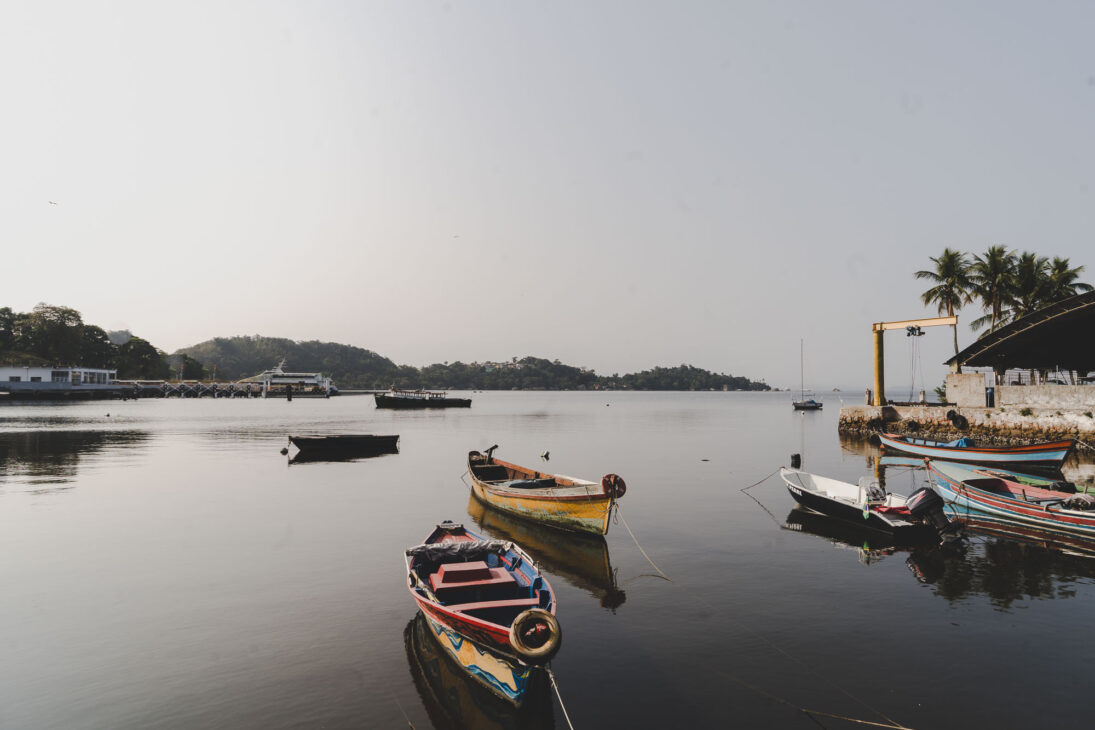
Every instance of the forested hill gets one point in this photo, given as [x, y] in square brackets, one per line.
[355, 367]
[242, 357]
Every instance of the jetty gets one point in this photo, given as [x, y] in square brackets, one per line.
[1030, 382]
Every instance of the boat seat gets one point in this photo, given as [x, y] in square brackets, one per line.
[474, 574]
[492, 473]
[508, 603]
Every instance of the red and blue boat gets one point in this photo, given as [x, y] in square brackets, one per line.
[1045, 454]
[488, 591]
[972, 490]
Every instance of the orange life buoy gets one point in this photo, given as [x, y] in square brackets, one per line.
[614, 485]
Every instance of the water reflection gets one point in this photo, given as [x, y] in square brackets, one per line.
[1006, 570]
[53, 457]
[871, 545]
[581, 560]
[455, 700]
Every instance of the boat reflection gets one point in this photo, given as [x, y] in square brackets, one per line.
[871, 545]
[453, 698]
[579, 559]
[1004, 569]
[53, 457]
[305, 458]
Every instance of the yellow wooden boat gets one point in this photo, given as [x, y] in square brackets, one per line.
[565, 502]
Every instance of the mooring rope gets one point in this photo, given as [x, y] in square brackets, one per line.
[400, 706]
[810, 713]
[555, 686]
[624, 519]
[770, 643]
[1085, 444]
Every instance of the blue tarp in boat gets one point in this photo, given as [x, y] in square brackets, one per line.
[963, 442]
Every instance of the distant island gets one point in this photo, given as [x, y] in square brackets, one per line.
[58, 335]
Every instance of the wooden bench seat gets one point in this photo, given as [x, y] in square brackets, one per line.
[510, 603]
[468, 575]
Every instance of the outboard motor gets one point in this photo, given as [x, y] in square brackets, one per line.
[927, 506]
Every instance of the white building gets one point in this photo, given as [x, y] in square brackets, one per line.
[70, 376]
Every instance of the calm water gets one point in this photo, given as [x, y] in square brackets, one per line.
[163, 566]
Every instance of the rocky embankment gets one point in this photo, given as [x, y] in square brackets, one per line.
[1007, 425]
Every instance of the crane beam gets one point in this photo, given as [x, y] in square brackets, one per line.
[933, 322]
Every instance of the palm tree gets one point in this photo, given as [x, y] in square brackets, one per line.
[1029, 286]
[993, 277]
[1062, 281]
[952, 285]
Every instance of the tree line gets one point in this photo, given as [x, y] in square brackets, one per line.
[355, 367]
[53, 335]
[1007, 284]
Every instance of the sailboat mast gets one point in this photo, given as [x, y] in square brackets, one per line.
[801, 370]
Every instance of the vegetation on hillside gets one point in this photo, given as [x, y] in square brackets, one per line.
[52, 335]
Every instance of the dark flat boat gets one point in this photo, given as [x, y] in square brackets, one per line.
[406, 399]
[489, 591]
[865, 504]
[347, 445]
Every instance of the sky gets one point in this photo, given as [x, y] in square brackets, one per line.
[617, 185]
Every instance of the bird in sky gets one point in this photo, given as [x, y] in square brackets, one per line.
[52, 203]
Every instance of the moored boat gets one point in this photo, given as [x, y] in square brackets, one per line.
[346, 444]
[405, 399]
[970, 489]
[867, 505]
[489, 591]
[1048, 453]
[561, 501]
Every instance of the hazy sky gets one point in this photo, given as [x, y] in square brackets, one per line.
[615, 184]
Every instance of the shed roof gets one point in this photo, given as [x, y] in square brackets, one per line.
[1060, 335]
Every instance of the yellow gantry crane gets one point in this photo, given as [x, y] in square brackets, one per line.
[879, 398]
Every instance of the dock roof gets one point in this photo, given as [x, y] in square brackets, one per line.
[1057, 336]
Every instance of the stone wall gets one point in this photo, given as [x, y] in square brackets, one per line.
[1000, 425]
[1080, 397]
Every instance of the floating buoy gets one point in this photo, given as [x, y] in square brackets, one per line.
[796, 461]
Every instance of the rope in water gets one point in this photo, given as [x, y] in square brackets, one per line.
[624, 520]
[555, 686]
[767, 641]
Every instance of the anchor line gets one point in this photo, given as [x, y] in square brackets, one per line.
[558, 694]
[624, 519]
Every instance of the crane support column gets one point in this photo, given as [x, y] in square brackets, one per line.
[879, 369]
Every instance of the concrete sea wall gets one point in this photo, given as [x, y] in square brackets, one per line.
[1005, 424]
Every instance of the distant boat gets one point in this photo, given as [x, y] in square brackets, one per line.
[805, 400]
[1047, 453]
[565, 502]
[396, 398]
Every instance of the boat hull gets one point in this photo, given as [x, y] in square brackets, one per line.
[806, 405]
[384, 400]
[505, 678]
[346, 443]
[1051, 453]
[569, 504]
[963, 498]
[857, 516]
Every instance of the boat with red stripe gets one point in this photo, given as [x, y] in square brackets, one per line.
[489, 591]
[970, 489]
[1047, 453]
